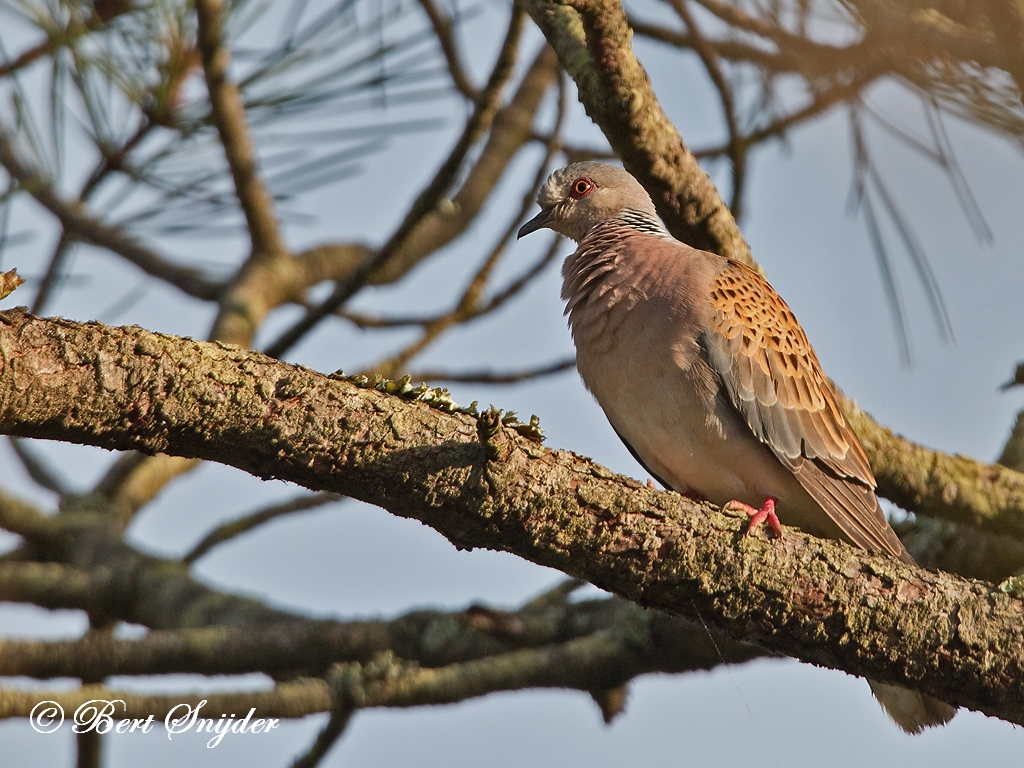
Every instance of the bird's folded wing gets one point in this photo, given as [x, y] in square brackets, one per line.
[774, 380]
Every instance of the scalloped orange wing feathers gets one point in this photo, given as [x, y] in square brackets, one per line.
[774, 380]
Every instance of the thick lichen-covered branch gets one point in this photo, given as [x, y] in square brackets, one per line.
[483, 485]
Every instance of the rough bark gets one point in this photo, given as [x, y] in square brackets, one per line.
[592, 39]
[484, 485]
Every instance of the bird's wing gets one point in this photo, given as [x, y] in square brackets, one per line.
[774, 380]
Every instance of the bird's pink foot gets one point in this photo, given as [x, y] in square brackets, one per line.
[758, 516]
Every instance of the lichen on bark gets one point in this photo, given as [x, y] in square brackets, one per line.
[819, 601]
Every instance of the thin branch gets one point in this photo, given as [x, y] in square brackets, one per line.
[37, 469]
[54, 272]
[820, 103]
[737, 17]
[234, 528]
[510, 130]
[89, 749]
[118, 473]
[605, 659]
[74, 216]
[961, 549]
[493, 303]
[733, 50]
[443, 30]
[428, 199]
[469, 305]
[861, 199]
[51, 585]
[302, 645]
[22, 518]
[25, 58]
[229, 116]
[130, 486]
[111, 161]
[736, 146]
[326, 739]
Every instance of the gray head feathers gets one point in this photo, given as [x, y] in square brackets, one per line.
[579, 196]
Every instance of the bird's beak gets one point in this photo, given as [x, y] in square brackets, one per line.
[537, 222]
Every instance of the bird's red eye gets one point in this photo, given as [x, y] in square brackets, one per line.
[581, 188]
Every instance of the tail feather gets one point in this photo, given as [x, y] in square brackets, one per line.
[910, 710]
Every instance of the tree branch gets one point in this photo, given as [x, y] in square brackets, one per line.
[76, 219]
[484, 113]
[496, 377]
[481, 484]
[736, 147]
[37, 468]
[443, 31]
[605, 659]
[592, 39]
[234, 528]
[310, 646]
[229, 116]
[957, 488]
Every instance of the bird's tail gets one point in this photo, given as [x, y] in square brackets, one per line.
[910, 710]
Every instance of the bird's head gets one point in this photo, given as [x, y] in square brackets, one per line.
[577, 197]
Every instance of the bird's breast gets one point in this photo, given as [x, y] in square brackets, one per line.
[637, 333]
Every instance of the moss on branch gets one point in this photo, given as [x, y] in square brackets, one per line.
[820, 601]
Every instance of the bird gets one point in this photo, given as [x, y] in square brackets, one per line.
[707, 377]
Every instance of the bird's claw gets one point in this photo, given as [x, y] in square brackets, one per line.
[758, 516]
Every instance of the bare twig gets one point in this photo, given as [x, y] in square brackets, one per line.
[54, 270]
[242, 525]
[443, 30]
[51, 585]
[25, 58]
[339, 720]
[37, 469]
[604, 659]
[136, 479]
[486, 107]
[232, 126]
[74, 217]
[469, 305]
[736, 145]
